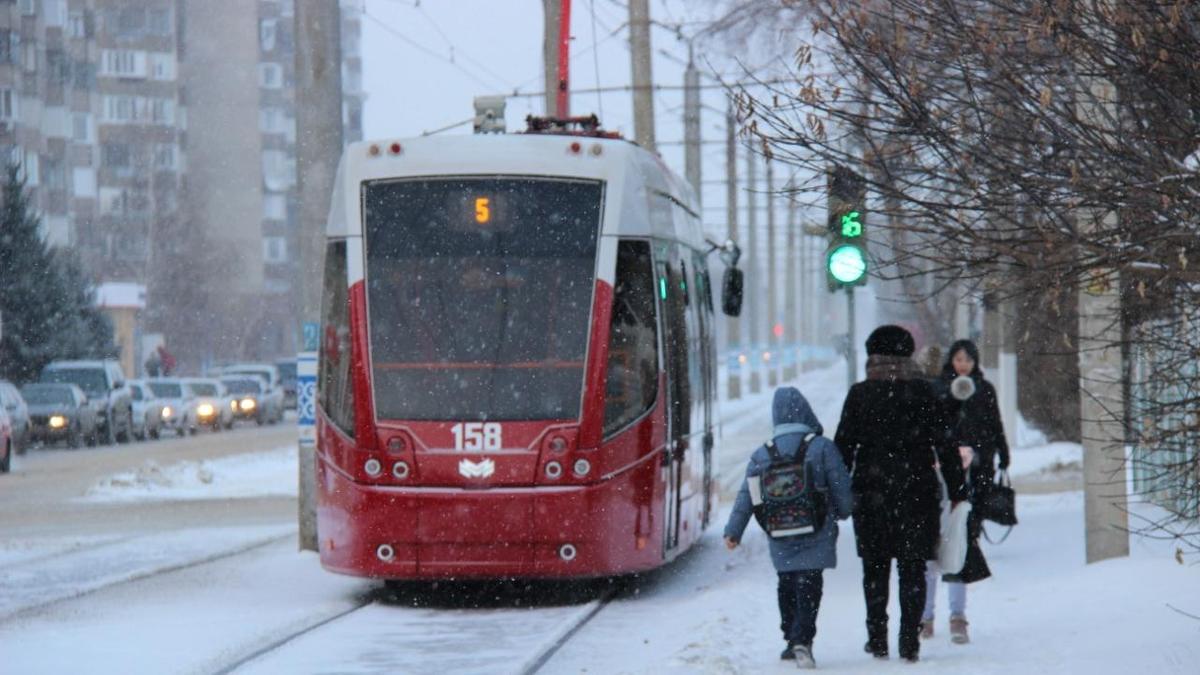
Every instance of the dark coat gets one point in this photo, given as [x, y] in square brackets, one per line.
[976, 422]
[891, 433]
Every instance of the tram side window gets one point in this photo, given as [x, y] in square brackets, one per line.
[633, 339]
[336, 393]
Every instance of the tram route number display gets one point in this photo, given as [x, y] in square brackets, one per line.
[476, 436]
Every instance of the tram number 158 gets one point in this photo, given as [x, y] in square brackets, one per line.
[476, 436]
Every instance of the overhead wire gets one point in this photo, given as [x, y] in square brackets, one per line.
[394, 32]
[596, 59]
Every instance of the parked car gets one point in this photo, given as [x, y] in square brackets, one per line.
[287, 378]
[271, 400]
[107, 392]
[213, 403]
[148, 410]
[178, 401]
[18, 413]
[60, 413]
[246, 391]
[6, 444]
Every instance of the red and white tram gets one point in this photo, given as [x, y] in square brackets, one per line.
[517, 370]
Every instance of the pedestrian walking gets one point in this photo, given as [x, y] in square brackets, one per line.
[892, 435]
[798, 488]
[976, 428]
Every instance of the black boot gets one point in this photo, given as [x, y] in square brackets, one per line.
[876, 648]
[787, 654]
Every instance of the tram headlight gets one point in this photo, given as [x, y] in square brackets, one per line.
[57, 421]
[553, 470]
[373, 467]
[582, 467]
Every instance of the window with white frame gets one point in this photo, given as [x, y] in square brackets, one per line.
[77, 25]
[272, 120]
[123, 63]
[274, 249]
[275, 170]
[270, 75]
[28, 7]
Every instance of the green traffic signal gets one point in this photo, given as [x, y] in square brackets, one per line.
[851, 225]
[847, 264]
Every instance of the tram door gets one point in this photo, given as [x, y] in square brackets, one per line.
[679, 402]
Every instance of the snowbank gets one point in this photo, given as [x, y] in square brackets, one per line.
[262, 474]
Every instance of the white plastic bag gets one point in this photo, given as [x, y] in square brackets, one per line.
[952, 546]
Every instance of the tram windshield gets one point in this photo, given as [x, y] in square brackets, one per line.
[479, 294]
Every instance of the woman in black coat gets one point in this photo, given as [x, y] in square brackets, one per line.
[892, 434]
[974, 425]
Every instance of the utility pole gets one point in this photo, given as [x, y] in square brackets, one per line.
[556, 45]
[691, 124]
[643, 78]
[791, 311]
[318, 44]
[752, 275]
[733, 328]
[772, 281]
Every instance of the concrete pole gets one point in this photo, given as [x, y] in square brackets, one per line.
[1102, 417]
[753, 291]
[318, 45]
[552, 12]
[643, 78]
[772, 281]
[691, 125]
[733, 330]
[793, 271]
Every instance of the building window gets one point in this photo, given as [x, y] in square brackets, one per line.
[273, 120]
[164, 156]
[81, 127]
[162, 67]
[83, 182]
[77, 25]
[123, 63]
[55, 12]
[275, 207]
[125, 109]
[8, 104]
[274, 250]
[270, 75]
[9, 46]
[54, 175]
[58, 67]
[266, 34]
[29, 57]
[160, 21]
[115, 156]
[130, 22]
[28, 7]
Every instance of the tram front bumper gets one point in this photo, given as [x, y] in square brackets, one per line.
[598, 530]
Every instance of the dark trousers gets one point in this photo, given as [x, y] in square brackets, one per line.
[876, 575]
[799, 602]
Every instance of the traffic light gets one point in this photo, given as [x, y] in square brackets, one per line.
[846, 256]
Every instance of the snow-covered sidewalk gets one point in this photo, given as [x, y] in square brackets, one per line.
[1044, 611]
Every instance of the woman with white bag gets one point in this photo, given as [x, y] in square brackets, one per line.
[974, 420]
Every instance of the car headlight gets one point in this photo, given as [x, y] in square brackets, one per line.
[233, 406]
[167, 412]
[205, 410]
[248, 404]
[57, 421]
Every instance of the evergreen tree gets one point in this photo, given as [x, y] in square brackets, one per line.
[45, 299]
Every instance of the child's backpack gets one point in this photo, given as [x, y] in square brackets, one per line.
[785, 503]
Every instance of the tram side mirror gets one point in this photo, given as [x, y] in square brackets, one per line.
[731, 291]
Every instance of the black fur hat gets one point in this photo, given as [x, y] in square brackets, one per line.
[890, 341]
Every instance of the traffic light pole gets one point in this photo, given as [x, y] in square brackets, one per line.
[851, 348]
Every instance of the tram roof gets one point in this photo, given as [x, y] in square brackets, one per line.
[631, 173]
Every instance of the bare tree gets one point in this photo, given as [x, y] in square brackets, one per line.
[998, 164]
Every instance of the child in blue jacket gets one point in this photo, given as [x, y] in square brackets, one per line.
[799, 560]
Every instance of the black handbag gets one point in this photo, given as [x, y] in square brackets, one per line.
[999, 503]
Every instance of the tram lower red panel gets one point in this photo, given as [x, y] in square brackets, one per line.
[614, 527]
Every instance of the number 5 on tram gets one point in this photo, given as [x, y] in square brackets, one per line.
[517, 373]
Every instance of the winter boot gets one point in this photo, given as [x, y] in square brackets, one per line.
[958, 630]
[876, 648]
[787, 654]
[804, 657]
[926, 629]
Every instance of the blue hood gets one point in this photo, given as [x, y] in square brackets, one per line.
[792, 410]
